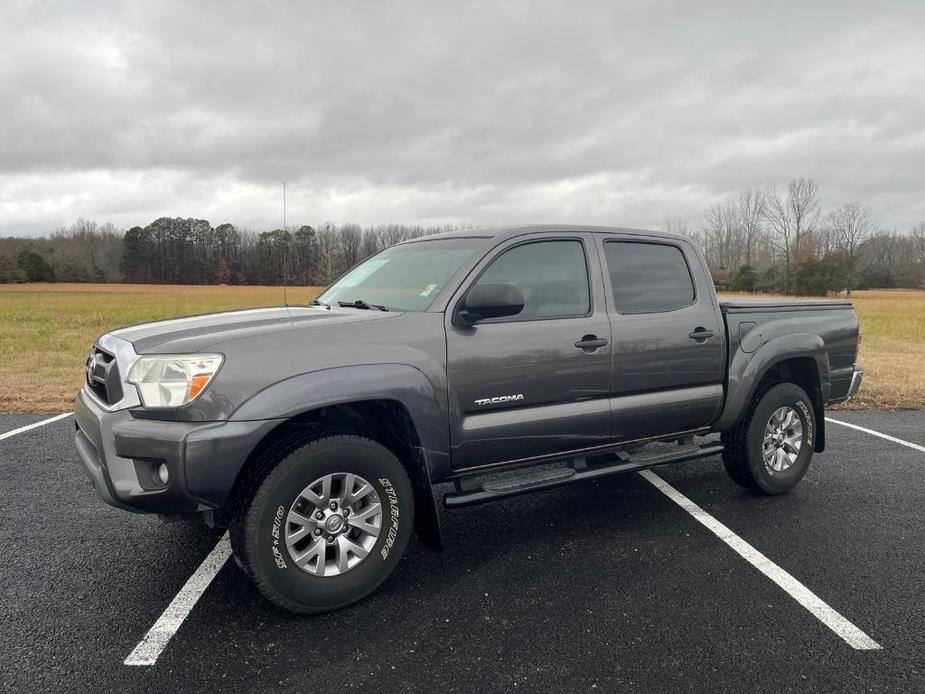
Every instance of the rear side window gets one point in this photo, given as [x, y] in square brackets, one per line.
[552, 275]
[648, 277]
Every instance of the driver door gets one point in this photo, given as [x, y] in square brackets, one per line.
[536, 383]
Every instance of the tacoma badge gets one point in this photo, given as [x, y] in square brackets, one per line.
[501, 398]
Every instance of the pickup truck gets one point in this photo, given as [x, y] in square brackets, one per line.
[498, 361]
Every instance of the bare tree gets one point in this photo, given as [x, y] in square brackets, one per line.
[350, 239]
[370, 243]
[327, 262]
[883, 254]
[792, 218]
[849, 226]
[750, 214]
[918, 243]
[723, 234]
[390, 234]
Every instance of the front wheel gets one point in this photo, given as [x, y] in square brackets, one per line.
[327, 525]
[770, 450]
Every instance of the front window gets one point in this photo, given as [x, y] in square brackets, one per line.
[552, 275]
[407, 277]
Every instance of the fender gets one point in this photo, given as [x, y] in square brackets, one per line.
[397, 382]
[746, 370]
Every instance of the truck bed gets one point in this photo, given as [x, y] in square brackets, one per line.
[753, 323]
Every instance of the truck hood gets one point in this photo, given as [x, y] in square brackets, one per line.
[198, 333]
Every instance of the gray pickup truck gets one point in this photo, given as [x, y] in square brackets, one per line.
[502, 361]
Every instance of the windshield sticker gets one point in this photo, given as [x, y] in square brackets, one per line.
[361, 274]
[428, 289]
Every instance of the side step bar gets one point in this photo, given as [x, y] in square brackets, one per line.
[470, 491]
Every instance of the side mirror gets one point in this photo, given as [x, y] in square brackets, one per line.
[491, 300]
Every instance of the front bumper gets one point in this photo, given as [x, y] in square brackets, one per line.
[119, 453]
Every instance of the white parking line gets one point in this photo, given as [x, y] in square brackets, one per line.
[35, 425]
[877, 433]
[154, 642]
[849, 633]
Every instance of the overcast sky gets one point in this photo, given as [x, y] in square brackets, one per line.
[498, 112]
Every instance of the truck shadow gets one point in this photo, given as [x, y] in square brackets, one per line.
[576, 548]
[560, 536]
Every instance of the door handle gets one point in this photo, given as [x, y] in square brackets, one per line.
[589, 343]
[701, 334]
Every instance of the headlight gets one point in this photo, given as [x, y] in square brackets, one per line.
[171, 381]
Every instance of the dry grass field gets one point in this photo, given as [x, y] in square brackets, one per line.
[47, 329]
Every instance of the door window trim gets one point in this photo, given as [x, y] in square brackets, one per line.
[492, 256]
[612, 296]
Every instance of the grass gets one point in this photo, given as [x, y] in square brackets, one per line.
[46, 331]
[892, 349]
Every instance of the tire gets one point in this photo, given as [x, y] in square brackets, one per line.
[744, 455]
[261, 526]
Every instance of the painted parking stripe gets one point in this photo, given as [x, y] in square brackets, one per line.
[914, 446]
[35, 425]
[849, 633]
[159, 635]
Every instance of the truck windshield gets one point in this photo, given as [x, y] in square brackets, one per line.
[405, 278]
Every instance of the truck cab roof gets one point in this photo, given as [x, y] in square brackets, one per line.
[503, 232]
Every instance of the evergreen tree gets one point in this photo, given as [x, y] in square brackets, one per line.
[35, 267]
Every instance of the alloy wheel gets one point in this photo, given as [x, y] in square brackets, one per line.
[783, 438]
[333, 524]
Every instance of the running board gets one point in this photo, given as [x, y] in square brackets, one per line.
[470, 491]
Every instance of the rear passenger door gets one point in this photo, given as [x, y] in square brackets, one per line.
[537, 383]
[667, 336]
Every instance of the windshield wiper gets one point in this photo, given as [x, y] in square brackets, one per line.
[359, 303]
[321, 303]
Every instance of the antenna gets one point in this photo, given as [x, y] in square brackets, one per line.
[286, 261]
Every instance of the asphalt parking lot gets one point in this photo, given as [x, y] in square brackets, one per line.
[610, 586]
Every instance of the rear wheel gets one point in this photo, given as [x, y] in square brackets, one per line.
[326, 524]
[771, 448]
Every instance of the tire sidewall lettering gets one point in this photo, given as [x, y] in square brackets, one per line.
[275, 531]
[808, 419]
[391, 527]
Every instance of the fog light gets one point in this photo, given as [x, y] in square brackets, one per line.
[162, 474]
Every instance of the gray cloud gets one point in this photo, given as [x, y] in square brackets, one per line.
[475, 112]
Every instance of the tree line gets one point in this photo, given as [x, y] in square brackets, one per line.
[758, 240]
[191, 251]
[784, 241]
